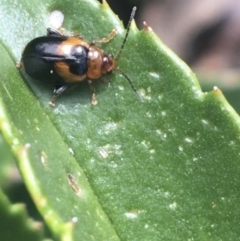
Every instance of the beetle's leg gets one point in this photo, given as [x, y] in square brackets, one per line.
[19, 64]
[78, 36]
[92, 89]
[58, 90]
[107, 39]
[62, 31]
[54, 32]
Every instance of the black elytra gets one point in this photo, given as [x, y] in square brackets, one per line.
[42, 53]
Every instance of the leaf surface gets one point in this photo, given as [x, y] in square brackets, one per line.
[162, 169]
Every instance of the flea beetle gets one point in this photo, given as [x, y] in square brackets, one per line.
[65, 61]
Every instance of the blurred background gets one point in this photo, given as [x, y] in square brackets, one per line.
[204, 33]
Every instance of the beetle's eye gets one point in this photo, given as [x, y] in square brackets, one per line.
[107, 65]
[105, 60]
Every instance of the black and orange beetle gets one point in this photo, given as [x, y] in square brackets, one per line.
[65, 61]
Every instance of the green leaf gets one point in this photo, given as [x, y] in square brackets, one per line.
[162, 169]
[227, 81]
[15, 225]
[7, 163]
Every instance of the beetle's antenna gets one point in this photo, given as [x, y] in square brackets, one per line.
[129, 81]
[126, 35]
[120, 51]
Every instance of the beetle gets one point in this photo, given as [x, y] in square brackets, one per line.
[65, 60]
